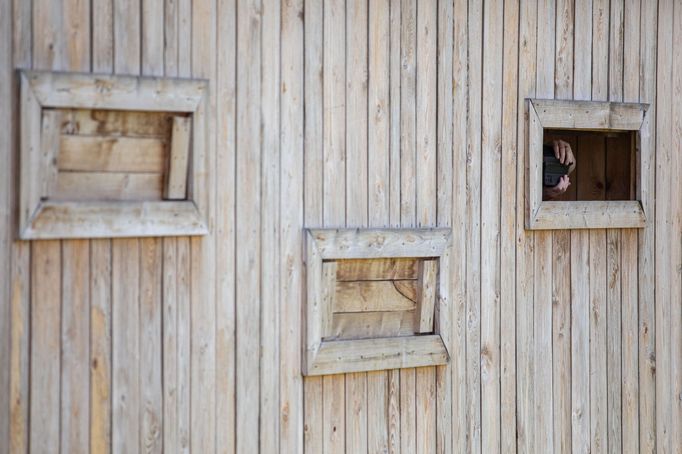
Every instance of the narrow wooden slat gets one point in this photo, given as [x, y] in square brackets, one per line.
[427, 294]
[377, 411]
[6, 207]
[111, 154]
[426, 106]
[334, 113]
[100, 346]
[613, 339]
[102, 36]
[357, 409]
[491, 181]
[30, 142]
[380, 106]
[561, 340]
[45, 346]
[367, 325]
[184, 345]
[74, 186]
[125, 392]
[542, 327]
[49, 144]
[426, 409]
[646, 256]
[313, 414]
[629, 324]
[408, 114]
[333, 414]
[356, 112]
[292, 138]
[459, 179]
[377, 296]
[510, 152]
[473, 228]
[152, 25]
[20, 353]
[151, 342]
[393, 410]
[408, 410]
[598, 343]
[327, 296]
[225, 244]
[271, 88]
[117, 123]
[75, 347]
[377, 269]
[395, 78]
[178, 160]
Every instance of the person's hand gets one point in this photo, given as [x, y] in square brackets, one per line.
[560, 188]
[563, 152]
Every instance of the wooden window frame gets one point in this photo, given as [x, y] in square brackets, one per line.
[45, 219]
[593, 116]
[321, 357]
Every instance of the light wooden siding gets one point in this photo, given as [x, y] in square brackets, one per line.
[563, 341]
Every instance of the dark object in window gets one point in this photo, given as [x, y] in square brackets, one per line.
[552, 168]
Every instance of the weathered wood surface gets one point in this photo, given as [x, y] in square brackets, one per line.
[360, 114]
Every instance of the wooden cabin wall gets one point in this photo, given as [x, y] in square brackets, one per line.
[351, 113]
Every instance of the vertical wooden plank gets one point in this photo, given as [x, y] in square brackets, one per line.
[426, 409]
[580, 341]
[395, 73]
[184, 345]
[663, 216]
[613, 339]
[408, 116]
[561, 340]
[600, 49]
[151, 391]
[676, 245]
[408, 411]
[590, 163]
[127, 36]
[45, 345]
[225, 315]
[598, 352]
[269, 235]
[542, 327]
[491, 138]
[646, 256]
[170, 344]
[152, 49]
[458, 266]
[510, 155]
[629, 386]
[125, 345]
[248, 228]
[48, 39]
[100, 345]
[444, 210]
[102, 35]
[333, 414]
[427, 89]
[542, 311]
[334, 112]
[379, 112]
[75, 347]
[20, 354]
[6, 327]
[175, 186]
[393, 409]
[359, 424]
[473, 232]
[313, 201]
[356, 117]
[312, 428]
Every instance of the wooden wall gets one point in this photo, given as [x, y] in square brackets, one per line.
[352, 113]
